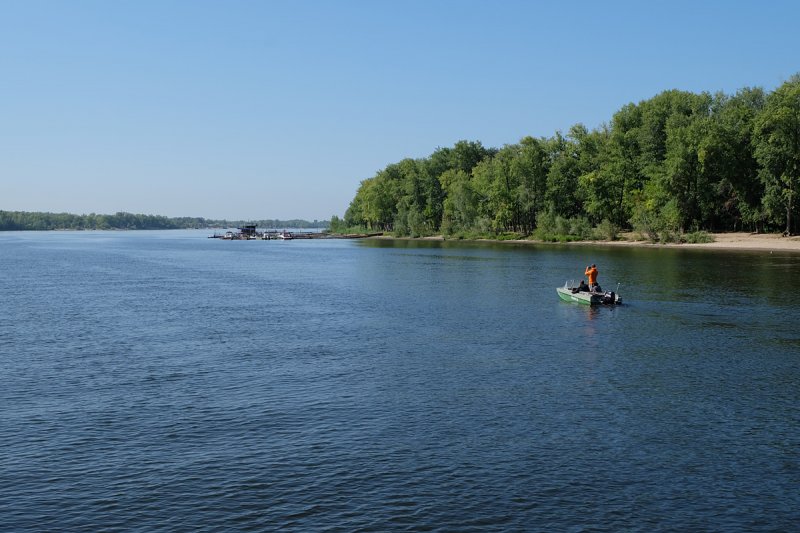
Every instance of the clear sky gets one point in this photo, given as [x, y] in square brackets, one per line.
[279, 109]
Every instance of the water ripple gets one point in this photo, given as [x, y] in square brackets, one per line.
[175, 384]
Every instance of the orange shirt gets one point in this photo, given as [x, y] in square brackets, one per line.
[592, 273]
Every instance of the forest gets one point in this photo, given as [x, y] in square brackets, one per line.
[25, 220]
[677, 164]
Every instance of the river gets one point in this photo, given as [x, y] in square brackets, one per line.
[166, 381]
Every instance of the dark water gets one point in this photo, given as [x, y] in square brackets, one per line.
[162, 381]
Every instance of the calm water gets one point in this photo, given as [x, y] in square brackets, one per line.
[164, 381]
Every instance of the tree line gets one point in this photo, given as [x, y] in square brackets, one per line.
[24, 220]
[678, 162]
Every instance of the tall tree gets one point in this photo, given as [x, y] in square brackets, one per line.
[496, 184]
[563, 192]
[778, 150]
[621, 168]
[681, 173]
[531, 165]
[727, 152]
[601, 188]
[460, 203]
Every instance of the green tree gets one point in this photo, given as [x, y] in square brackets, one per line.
[460, 208]
[497, 187]
[674, 162]
[727, 153]
[619, 174]
[602, 189]
[420, 203]
[682, 174]
[354, 216]
[530, 166]
[563, 177]
[777, 132]
[667, 138]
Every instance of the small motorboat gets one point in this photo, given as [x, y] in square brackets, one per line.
[572, 293]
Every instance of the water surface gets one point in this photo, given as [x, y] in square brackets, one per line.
[165, 381]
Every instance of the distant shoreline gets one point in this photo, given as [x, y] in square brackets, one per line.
[722, 241]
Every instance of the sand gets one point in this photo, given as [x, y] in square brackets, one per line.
[768, 242]
[739, 241]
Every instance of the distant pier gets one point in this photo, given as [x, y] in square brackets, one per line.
[251, 233]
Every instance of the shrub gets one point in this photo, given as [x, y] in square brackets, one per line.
[666, 236]
[554, 228]
[606, 230]
[698, 237]
[580, 228]
[416, 224]
[508, 236]
[562, 226]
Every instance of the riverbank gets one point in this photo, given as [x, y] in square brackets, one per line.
[722, 241]
[747, 241]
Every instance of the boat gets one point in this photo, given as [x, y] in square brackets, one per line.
[570, 293]
[285, 235]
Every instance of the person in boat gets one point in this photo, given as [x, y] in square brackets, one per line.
[591, 272]
[582, 287]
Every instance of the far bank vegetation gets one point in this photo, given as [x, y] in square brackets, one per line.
[43, 221]
[671, 168]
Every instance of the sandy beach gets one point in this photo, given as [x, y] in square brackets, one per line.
[768, 242]
[737, 241]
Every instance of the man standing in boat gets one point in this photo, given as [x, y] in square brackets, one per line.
[591, 272]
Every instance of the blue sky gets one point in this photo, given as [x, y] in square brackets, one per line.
[279, 109]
